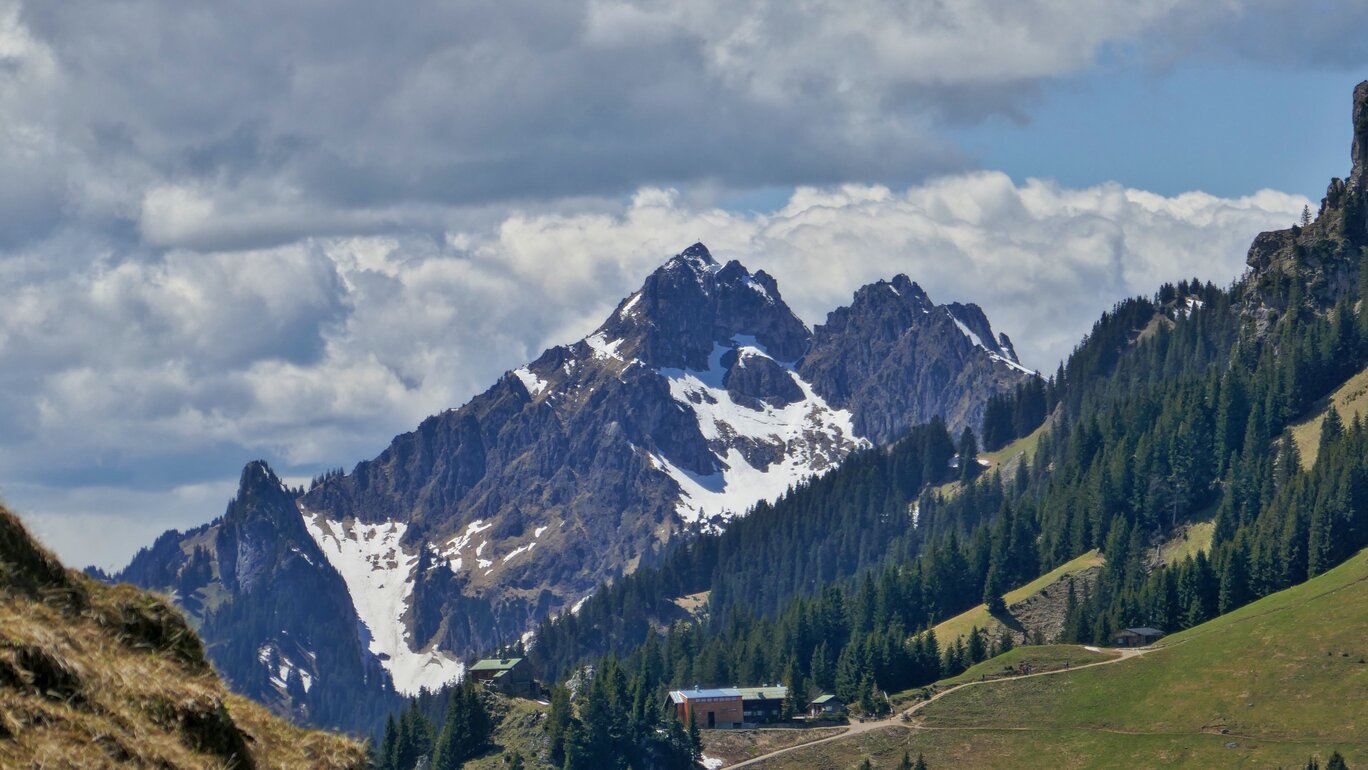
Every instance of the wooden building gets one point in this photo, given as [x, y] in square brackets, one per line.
[826, 707]
[1137, 637]
[762, 704]
[510, 676]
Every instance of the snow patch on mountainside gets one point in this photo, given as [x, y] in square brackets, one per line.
[280, 669]
[532, 382]
[603, 347]
[978, 342]
[814, 435]
[379, 575]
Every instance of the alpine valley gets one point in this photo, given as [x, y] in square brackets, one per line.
[706, 512]
[701, 396]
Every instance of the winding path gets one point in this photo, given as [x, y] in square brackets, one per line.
[895, 720]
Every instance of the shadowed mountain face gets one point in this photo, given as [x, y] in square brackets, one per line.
[700, 395]
[896, 359]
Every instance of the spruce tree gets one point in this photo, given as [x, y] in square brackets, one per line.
[558, 721]
[1332, 427]
[968, 456]
[921, 763]
[465, 729]
[695, 738]
[385, 757]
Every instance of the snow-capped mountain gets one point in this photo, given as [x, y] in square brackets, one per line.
[700, 395]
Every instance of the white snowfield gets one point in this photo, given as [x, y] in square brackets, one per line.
[978, 342]
[379, 575]
[281, 668]
[815, 437]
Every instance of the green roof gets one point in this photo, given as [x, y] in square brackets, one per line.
[819, 700]
[495, 664]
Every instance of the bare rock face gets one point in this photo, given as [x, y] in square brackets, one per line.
[1358, 177]
[896, 359]
[752, 380]
[699, 396]
[1322, 258]
[278, 616]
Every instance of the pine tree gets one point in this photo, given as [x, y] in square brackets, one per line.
[921, 763]
[1336, 762]
[793, 696]
[465, 730]
[558, 722]
[385, 758]
[968, 456]
[695, 738]
[906, 763]
[1332, 427]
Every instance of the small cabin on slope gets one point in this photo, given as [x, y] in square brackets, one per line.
[510, 676]
[826, 707]
[1137, 637]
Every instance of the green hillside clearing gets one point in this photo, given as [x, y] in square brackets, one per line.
[1351, 399]
[1190, 540]
[1035, 659]
[1265, 686]
[1006, 459]
[960, 625]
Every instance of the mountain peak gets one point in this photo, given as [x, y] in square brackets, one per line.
[698, 252]
[696, 259]
[692, 302]
[257, 474]
[1323, 254]
[1358, 177]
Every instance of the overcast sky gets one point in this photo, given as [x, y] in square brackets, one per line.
[291, 230]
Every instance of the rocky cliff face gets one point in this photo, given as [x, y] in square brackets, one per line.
[1322, 259]
[278, 617]
[700, 395]
[896, 359]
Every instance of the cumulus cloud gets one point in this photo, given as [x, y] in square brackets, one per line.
[294, 229]
[168, 373]
[256, 123]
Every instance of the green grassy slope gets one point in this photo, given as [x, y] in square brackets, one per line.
[520, 728]
[960, 625]
[1350, 399]
[1265, 686]
[1048, 657]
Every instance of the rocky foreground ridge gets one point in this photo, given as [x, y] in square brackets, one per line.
[96, 676]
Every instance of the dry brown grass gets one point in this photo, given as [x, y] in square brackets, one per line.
[99, 677]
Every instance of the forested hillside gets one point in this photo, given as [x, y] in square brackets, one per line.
[1175, 407]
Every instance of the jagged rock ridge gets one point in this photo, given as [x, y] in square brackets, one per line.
[1322, 259]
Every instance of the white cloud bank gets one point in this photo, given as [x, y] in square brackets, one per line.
[169, 373]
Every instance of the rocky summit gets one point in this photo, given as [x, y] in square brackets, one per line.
[700, 395]
[1321, 258]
